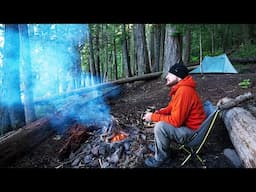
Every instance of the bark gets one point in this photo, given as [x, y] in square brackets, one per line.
[241, 126]
[157, 48]
[227, 103]
[172, 52]
[115, 60]
[92, 61]
[141, 49]
[138, 78]
[97, 52]
[187, 46]
[162, 38]
[126, 57]
[16, 144]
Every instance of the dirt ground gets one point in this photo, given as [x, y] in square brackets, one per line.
[133, 101]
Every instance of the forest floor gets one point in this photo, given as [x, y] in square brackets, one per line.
[134, 100]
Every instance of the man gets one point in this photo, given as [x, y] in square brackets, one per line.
[183, 115]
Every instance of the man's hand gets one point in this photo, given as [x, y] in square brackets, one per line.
[147, 116]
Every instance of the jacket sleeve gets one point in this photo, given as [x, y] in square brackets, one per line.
[179, 113]
[165, 110]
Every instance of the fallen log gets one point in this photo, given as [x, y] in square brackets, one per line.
[243, 60]
[18, 143]
[227, 103]
[102, 86]
[241, 126]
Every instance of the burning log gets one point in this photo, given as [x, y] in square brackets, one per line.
[78, 135]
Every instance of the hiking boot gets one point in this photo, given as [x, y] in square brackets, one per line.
[152, 162]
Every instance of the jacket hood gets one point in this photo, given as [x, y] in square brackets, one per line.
[187, 81]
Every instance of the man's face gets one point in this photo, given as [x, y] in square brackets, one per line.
[171, 79]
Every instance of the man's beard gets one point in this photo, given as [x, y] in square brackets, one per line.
[171, 84]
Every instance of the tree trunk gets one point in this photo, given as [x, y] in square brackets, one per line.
[156, 48]
[141, 49]
[126, 58]
[11, 96]
[26, 70]
[91, 53]
[241, 126]
[187, 46]
[97, 52]
[115, 60]
[172, 53]
[161, 50]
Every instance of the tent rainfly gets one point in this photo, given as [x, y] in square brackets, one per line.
[216, 64]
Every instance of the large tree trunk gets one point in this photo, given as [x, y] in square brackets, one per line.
[172, 52]
[141, 49]
[91, 55]
[29, 109]
[187, 46]
[126, 57]
[11, 94]
[97, 52]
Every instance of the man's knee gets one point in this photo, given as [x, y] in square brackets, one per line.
[159, 127]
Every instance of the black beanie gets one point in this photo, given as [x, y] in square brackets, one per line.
[179, 70]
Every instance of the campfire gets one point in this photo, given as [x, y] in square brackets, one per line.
[78, 134]
[110, 145]
[113, 133]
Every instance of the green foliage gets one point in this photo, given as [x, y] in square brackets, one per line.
[195, 58]
[216, 53]
[245, 50]
[245, 83]
[240, 67]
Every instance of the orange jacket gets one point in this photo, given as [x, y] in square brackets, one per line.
[185, 107]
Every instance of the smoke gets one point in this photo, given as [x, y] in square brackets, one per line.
[89, 109]
[54, 56]
[55, 52]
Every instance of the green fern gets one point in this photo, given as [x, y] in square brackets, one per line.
[245, 83]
